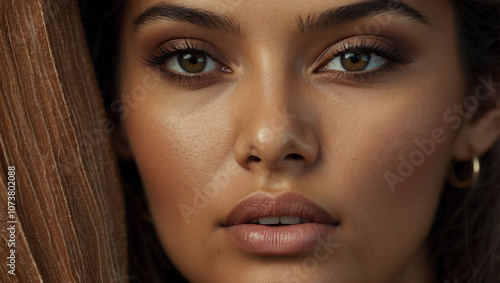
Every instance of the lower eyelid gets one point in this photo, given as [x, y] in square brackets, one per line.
[192, 81]
[357, 78]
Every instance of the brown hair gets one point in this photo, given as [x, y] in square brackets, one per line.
[59, 178]
[465, 238]
[147, 261]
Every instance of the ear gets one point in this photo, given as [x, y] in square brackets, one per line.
[121, 144]
[482, 133]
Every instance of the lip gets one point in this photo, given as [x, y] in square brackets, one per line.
[278, 240]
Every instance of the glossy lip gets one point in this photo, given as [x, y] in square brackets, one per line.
[278, 240]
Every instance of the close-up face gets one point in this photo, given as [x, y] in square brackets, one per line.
[293, 141]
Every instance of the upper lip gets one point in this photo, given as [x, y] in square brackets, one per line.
[288, 204]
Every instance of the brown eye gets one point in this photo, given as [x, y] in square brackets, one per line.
[355, 61]
[192, 62]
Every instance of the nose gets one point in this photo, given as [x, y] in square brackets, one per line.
[276, 132]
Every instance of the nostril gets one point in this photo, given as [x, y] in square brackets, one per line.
[294, 156]
[253, 158]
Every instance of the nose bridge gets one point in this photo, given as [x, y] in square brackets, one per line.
[273, 100]
[275, 131]
[270, 97]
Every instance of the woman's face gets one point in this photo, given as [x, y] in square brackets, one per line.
[335, 119]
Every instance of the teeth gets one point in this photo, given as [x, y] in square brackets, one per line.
[269, 220]
[290, 220]
[274, 220]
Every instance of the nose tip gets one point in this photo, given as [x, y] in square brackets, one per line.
[276, 148]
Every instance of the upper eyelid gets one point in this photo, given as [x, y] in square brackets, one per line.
[382, 45]
[176, 49]
[155, 64]
[180, 45]
[347, 45]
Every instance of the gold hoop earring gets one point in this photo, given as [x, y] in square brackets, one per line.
[476, 168]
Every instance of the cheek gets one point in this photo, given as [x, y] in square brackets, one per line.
[175, 146]
[392, 158]
[178, 154]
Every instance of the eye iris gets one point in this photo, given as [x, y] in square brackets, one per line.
[355, 62]
[193, 62]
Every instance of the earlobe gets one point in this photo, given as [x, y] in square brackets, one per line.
[121, 144]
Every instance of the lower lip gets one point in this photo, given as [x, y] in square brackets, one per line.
[279, 240]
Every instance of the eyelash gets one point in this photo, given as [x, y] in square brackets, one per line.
[157, 59]
[393, 55]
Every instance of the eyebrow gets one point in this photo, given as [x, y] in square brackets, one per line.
[328, 19]
[164, 11]
[353, 12]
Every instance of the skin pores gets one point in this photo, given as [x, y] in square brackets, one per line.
[270, 118]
